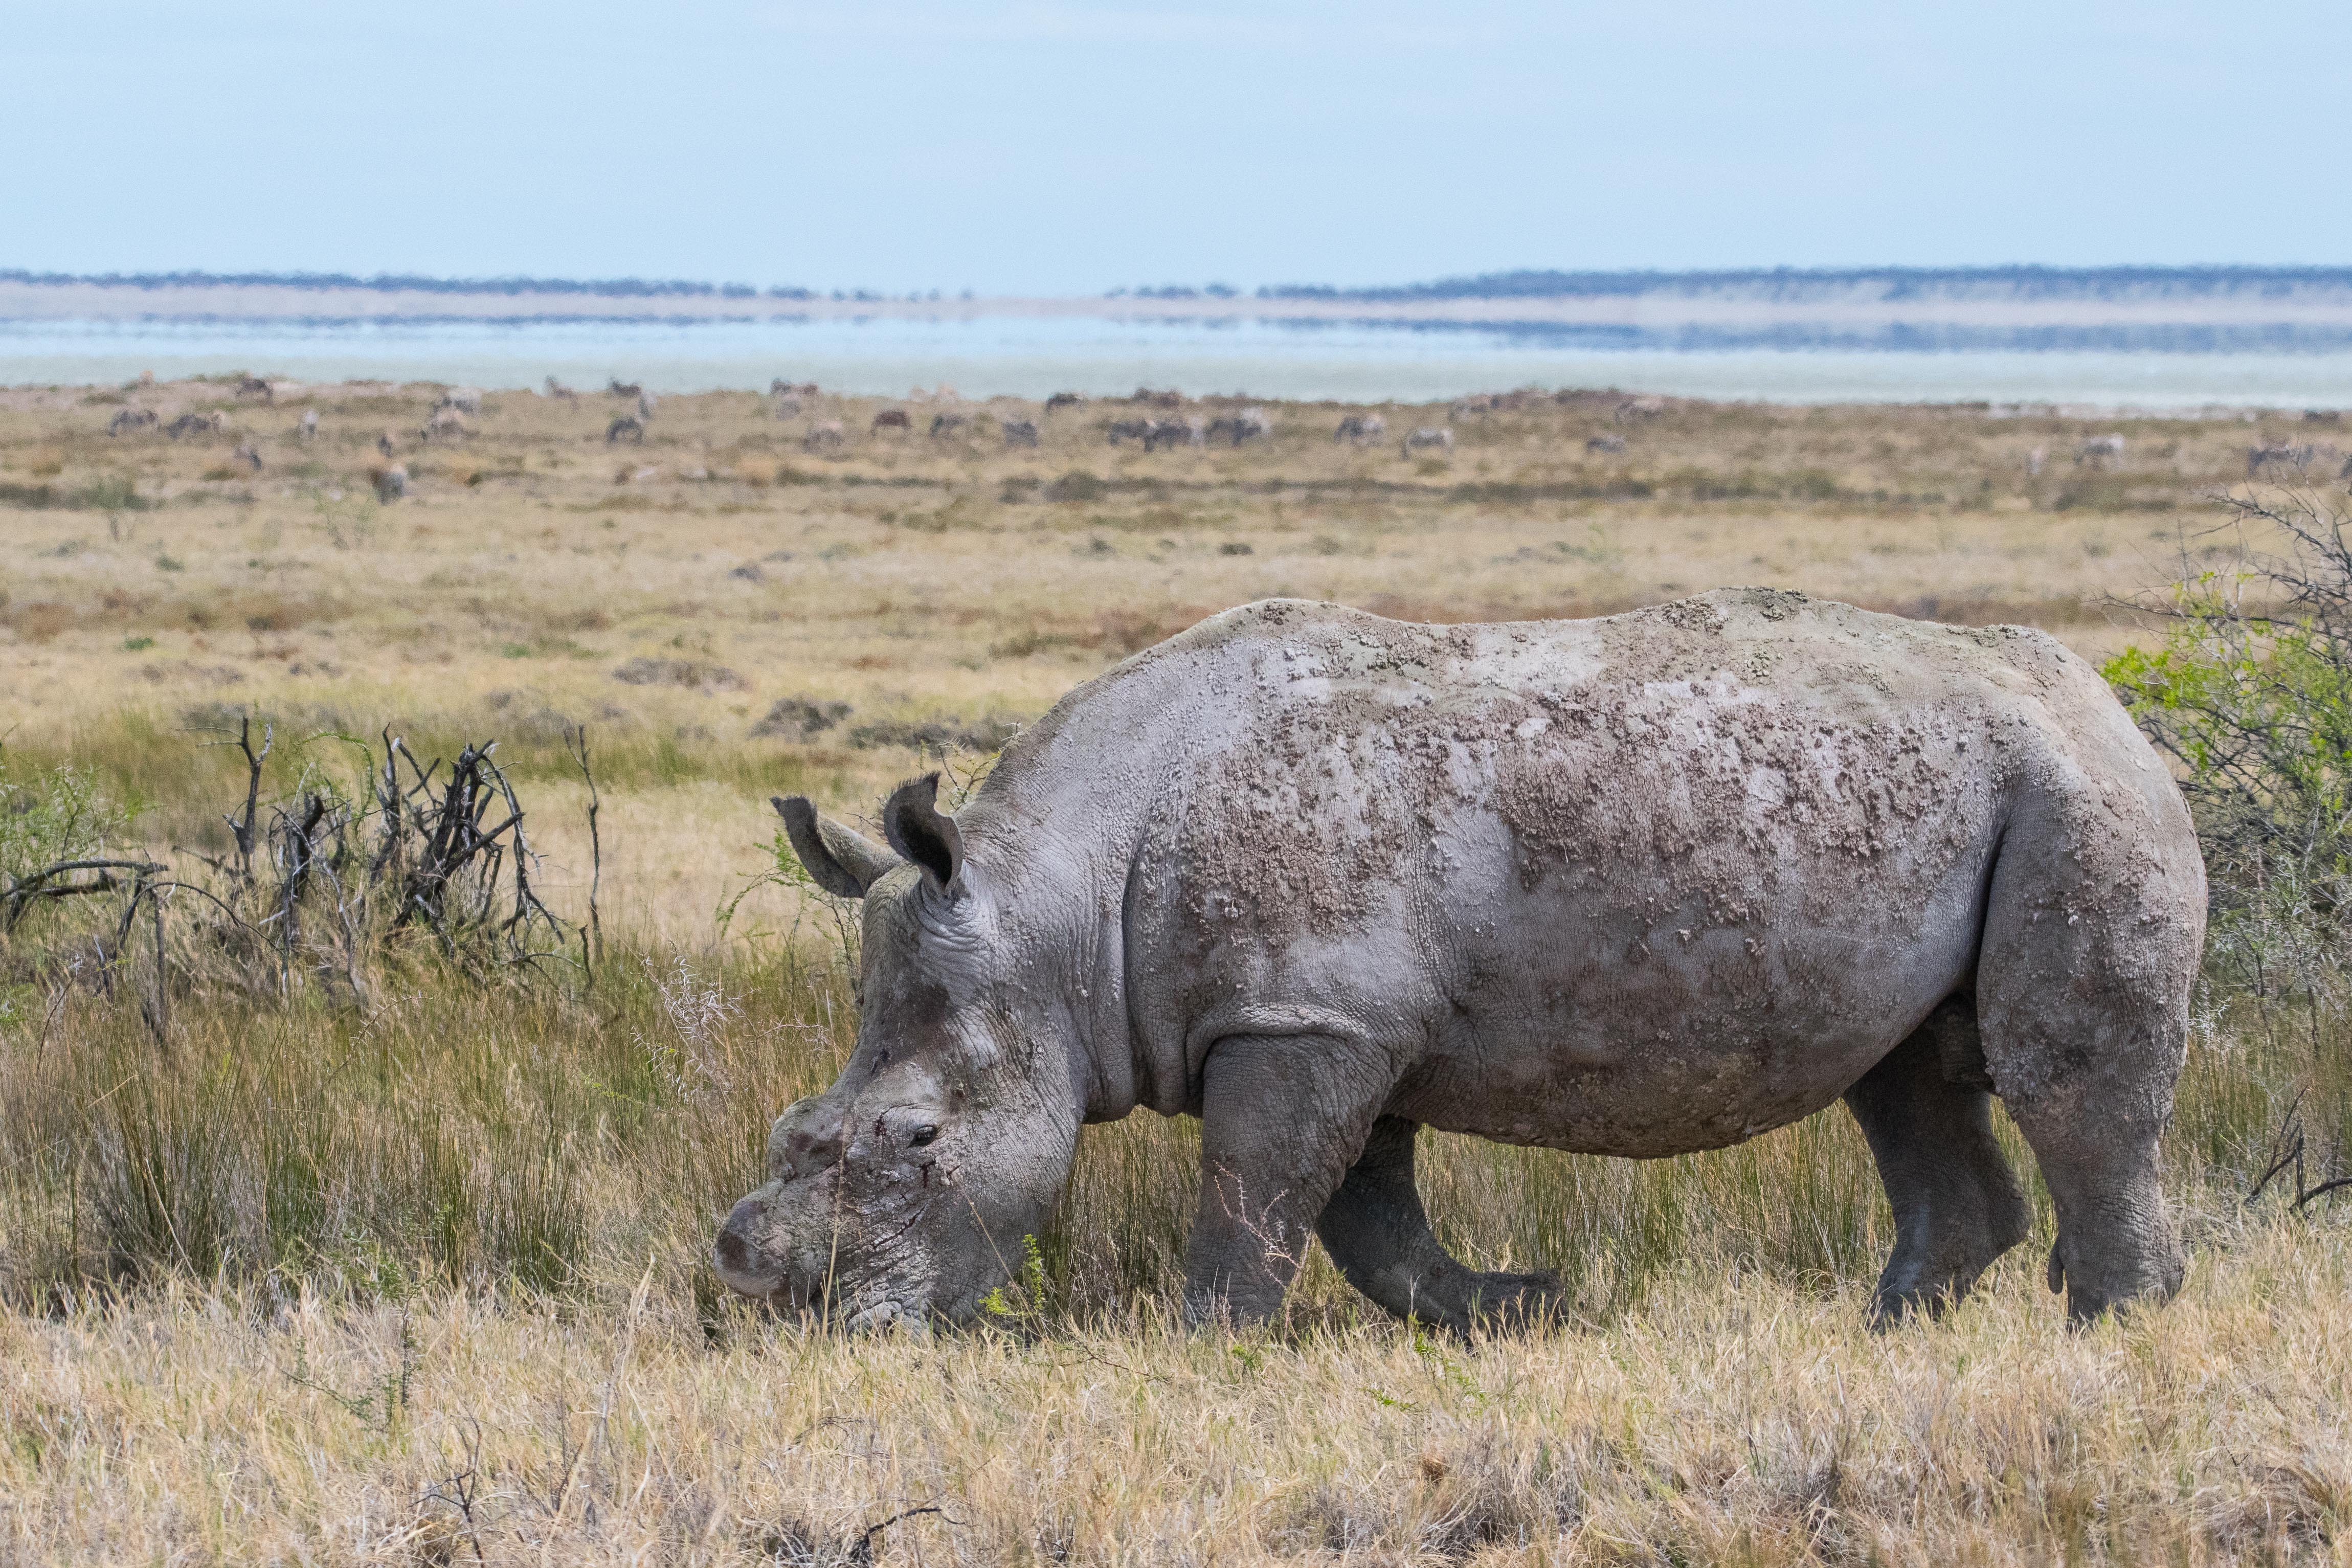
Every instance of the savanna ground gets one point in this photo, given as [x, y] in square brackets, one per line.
[406, 1264]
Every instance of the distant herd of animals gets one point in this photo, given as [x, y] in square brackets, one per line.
[445, 422]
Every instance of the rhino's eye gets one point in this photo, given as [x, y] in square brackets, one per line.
[923, 1135]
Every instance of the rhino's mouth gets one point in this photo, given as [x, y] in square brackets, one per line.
[886, 1315]
[789, 1247]
[855, 1306]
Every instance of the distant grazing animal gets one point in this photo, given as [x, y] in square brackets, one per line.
[946, 424]
[193, 424]
[1130, 430]
[627, 428]
[892, 419]
[2279, 454]
[307, 426]
[1020, 432]
[133, 419]
[1489, 403]
[1362, 430]
[557, 389]
[1248, 425]
[383, 443]
[620, 388]
[250, 455]
[780, 386]
[1428, 436]
[390, 484]
[1183, 432]
[254, 386]
[1610, 444]
[1634, 409]
[824, 435]
[1145, 395]
[1064, 400]
[1637, 886]
[445, 424]
[2100, 450]
[463, 399]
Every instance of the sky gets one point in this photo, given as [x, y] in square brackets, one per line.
[1071, 146]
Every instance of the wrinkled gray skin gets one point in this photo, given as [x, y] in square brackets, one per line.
[1633, 886]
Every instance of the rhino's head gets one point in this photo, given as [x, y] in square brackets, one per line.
[905, 1190]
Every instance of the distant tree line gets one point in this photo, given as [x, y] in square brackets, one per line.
[1889, 282]
[1180, 291]
[1784, 283]
[410, 282]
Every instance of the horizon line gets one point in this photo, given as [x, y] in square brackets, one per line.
[2036, 278]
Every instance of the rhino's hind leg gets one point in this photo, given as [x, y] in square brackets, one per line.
[1377, 1232]
[2091, 943]
[1927, 1114]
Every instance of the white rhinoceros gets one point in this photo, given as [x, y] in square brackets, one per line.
[1635, 886]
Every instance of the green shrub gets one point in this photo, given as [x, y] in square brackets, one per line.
[54, 813]
[2250, 694]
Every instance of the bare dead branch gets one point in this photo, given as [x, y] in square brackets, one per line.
[24, 893]
[592, 945]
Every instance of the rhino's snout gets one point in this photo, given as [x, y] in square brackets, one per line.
[729, 1251]
[739, 1258]
[732, 1252]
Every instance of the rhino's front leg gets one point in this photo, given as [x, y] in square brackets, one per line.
[1282, 1118]
[1377, 1232]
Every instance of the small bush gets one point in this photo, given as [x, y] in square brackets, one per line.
[53, 814]
[2250, 692]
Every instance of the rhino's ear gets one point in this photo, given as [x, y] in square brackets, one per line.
[841, 859]
[922, 832]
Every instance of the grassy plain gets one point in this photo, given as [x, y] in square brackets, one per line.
[423, 1282]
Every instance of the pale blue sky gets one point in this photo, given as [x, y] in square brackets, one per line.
[1071, 146]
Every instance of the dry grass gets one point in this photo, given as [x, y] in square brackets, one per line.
[426, 1285]
[1730, 1420]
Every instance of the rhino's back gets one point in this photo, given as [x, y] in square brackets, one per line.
[1742, 727]
[1348, 666]
[1634, 884]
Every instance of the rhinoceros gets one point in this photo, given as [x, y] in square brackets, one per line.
[1637, 886]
